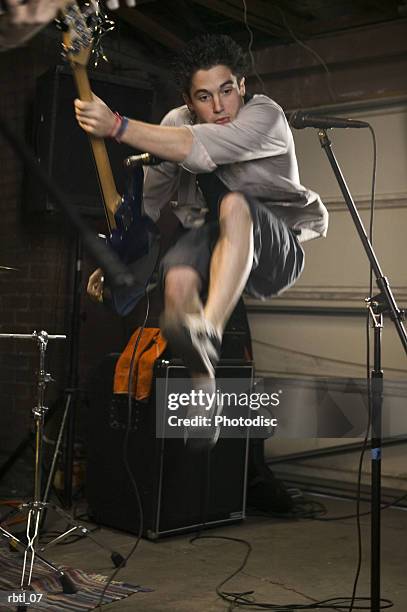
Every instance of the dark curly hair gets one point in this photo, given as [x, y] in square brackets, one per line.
[204, 52]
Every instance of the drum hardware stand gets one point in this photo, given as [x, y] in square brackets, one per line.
[377, 305]
[22, 447]
[68, 420]
[37, 506]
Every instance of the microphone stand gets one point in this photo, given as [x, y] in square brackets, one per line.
[377, 305]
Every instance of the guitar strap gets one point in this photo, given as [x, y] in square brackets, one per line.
[213, 190]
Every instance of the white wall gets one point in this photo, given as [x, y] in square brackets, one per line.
[354, 152]
[337, 272]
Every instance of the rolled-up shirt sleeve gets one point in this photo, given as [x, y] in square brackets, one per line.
[161, 182]
[260, 130]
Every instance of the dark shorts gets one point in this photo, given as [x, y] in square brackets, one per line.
[278, 257]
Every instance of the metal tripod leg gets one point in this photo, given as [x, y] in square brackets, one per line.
[35, 521]
[83, 531]
[66, 583]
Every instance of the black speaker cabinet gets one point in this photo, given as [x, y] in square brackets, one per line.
[179, 491]
[63, 148]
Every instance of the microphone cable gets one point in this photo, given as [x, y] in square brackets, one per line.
[368, 380]
[204, 498]
[125, 451]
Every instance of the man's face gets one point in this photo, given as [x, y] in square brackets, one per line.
[215, 95]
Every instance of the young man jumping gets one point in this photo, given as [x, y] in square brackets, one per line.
[231, 169]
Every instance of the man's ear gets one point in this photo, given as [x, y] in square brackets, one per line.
[188, 102]
[242, 87]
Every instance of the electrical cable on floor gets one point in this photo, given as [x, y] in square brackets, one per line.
[72, 539]
[306, 509]
[237, 599]
[314, 510]
[390, 504]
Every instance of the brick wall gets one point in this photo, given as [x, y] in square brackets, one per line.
[33, 297]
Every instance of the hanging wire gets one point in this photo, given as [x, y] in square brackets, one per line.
[250, 47]
[309, 49]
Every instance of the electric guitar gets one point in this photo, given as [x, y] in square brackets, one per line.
[134, 237]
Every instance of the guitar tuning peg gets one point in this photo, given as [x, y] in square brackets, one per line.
[112, 5]
[91, 21]
[61, 25]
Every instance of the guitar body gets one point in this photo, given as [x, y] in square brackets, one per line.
[129, 238]
[136, 240]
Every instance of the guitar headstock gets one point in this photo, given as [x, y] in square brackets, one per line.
[84, 24]
[78, 26]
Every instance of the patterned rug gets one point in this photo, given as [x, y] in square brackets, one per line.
[44, 580]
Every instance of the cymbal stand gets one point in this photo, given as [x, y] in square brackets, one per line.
[37, 506]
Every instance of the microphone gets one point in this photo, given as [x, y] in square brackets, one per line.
[300, 120]
[143, 159]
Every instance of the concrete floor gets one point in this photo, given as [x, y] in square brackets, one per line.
[292, 561]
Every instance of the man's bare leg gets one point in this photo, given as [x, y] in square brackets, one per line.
[182, 287]
[181, 294]
[232, 260]
[230, 267]
[197, 339]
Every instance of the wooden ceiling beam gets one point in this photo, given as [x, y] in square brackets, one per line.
[231, 10]
[151, 27]
[375, 44]
[345, 23]
[296, 12]
[185, 12]
[265, 11]
[378, 5]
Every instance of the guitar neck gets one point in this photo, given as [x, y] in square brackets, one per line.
[107, 185]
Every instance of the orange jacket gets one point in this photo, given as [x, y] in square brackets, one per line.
[151, 346]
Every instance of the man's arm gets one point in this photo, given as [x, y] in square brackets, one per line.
[260, 130]
[168, 142]
[160, 184]
[23, 20]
